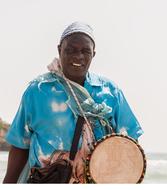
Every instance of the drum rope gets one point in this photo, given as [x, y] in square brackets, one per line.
[81, 110]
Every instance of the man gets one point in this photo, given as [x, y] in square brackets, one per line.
[48, 113]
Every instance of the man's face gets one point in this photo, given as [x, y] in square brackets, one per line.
[76, 53]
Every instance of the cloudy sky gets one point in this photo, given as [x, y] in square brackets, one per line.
[131, 46]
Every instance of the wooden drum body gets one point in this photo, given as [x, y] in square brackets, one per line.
[116, 159]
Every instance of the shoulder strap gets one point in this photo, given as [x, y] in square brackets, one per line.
[77, 134]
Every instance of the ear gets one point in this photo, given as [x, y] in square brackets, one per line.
[59, 49]
[94, 53]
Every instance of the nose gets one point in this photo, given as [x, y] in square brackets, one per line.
[79, 55]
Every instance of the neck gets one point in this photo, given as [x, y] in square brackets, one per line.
[79, 80]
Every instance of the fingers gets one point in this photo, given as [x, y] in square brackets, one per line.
[78, 166]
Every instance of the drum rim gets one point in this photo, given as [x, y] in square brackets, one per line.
[87, 170]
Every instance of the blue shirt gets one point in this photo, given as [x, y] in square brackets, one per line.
[46, 122]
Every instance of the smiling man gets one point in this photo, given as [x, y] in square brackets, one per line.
[76, 52]
[48, 113]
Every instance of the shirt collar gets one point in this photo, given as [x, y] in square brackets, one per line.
[93, 79]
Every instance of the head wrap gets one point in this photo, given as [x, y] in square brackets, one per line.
[78, 27]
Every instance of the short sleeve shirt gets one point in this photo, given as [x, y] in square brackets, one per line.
[45, 122]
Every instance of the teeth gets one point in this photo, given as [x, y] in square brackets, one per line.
[75, 64]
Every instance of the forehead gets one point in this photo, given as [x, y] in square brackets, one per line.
[77, 39]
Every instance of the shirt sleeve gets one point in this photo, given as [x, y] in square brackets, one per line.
[19, 133]
[125, 119]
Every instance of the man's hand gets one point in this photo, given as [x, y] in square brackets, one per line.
[16, 162]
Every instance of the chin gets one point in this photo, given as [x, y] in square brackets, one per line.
[77, 78]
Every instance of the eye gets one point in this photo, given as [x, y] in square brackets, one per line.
[87, 51]
[69, 50]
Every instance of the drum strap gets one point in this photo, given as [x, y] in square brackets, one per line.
[77, 134]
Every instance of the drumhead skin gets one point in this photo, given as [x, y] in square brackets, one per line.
[116, 159]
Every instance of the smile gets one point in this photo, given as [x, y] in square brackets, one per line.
[76, 64]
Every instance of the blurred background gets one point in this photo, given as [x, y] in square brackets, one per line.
[131, 46]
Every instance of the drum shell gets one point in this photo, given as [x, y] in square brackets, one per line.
[90, 179]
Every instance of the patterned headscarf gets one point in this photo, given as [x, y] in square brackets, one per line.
[78, 27]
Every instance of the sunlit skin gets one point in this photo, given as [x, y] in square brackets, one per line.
[76, 52]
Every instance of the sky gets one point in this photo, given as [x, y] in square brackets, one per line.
[131, 46]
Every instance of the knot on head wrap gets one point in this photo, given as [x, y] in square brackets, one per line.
[78, 27]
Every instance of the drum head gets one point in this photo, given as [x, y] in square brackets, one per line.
[116, 160]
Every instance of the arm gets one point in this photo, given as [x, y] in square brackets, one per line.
[16, 162]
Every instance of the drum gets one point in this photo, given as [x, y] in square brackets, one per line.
[116, 159]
